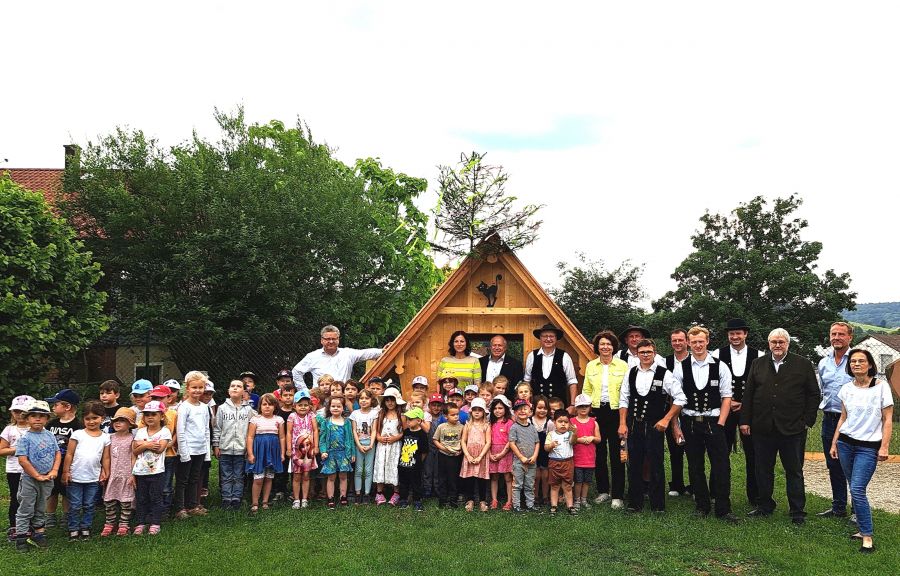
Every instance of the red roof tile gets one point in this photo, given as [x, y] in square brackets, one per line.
[48, 181]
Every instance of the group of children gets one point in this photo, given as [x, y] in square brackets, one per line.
[475, 446]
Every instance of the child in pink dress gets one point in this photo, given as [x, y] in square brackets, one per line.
[119, 494]
[500, 459]
[587, 434]
[304, 438]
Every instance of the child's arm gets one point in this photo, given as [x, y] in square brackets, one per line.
[323, 439]
[281, 441]
[511, 445]
[180, 430]
[573, 439]
[289, 434]
[315, 437]
[67, 463]
[217, 434]
[5, 448]
[596, 437]
[465, 438]
[359, 447]
[348, 439]
[251, 434]
[104, 464]
[487, 444]
[437, 443]
[160, 446]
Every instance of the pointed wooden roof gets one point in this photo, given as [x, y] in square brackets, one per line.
[439, 304]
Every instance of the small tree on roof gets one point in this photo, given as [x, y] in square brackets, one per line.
[473, 205]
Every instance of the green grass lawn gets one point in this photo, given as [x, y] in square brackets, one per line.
[366, 540]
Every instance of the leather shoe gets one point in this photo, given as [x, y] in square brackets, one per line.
[867, 549]
[758, 513]
[729, 518]
[798, 520]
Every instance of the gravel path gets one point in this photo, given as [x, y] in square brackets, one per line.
[883, 490]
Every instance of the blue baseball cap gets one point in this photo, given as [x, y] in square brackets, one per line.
[300, 395]
[65, 395]
[141, 386]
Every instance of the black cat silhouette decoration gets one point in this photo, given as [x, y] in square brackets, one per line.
[490, 292]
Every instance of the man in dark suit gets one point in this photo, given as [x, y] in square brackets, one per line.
[780, 404]
[499, 364]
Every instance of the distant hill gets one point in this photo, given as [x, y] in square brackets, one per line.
[881, 314]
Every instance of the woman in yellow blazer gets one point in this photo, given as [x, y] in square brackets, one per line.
[603, 379]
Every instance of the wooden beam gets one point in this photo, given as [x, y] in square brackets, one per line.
[463, 310]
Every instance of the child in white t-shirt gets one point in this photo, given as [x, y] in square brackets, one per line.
[85, 467]
[559, 444]
[149, 470]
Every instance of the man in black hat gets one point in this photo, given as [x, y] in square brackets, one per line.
[549, 369]
[738, 357]
[629, 339]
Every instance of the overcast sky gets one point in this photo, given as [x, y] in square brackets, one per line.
[627, 119]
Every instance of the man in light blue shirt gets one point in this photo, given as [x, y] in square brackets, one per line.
[832, 373]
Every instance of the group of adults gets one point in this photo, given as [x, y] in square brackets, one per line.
[695, 400]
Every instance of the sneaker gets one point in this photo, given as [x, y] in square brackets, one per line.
[470, 505]
[11, 535]
[296, 505]
[379, 499]
[138, 530]
[154, 529]
[617, 504]
[204, 493]
[831, 513]
[517, 510]
[483, 506]
[584, 504]
[573, 511]
[601, 498]
[394, 499]
[123, 530]
[331, 505]
[85, 533]
[39, 539]
[182, 515]
[360, 499]
[674, 493]
[278, 497]
[22, 545]
[419, 507]
[73, 535]
[553, 510]
[404, 504]
[344, 501]
[304, 503]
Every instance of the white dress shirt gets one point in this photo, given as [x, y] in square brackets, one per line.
[700, 372]
[547, 366]
[644, 380]
[339, 365]
[494, 367]
[738, 360]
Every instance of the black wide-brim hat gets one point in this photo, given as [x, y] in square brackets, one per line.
[631, 328]
[549, 328]
[736, 324]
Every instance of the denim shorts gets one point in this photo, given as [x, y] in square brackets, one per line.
[584, 475]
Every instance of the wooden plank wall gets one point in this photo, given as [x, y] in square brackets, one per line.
[425, 353]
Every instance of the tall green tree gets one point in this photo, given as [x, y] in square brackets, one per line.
[49, 306]
[595, 297]
[473, 204]
[261, 231]
[753, 264]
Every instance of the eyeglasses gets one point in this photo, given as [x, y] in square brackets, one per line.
[859, 361]
[330, 339]
[645, 352]
[778, 342]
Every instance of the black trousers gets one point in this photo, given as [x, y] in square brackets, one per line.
[706, 437]
[410, 482]
[645, 445]
[187, 483]
[610, 478]
[791, 449]
[12, 481]
[731, 435]
[448, 477]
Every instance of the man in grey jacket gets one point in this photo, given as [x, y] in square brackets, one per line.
[229, 442]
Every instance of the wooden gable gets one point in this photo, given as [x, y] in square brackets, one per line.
[522, 305]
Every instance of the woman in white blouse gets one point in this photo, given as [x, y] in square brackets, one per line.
[863, 434]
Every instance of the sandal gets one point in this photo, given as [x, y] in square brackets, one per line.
[553, 510]
[470, 506]
[123, 530]
[265, 506]
[494, 504]
[484, 506]
[508, 506]
[254, 510]
[107, 530]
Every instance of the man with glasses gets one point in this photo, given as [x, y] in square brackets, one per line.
[330, 359]
[833, 374]
[706, 383]
[645, 413]
[780, 403]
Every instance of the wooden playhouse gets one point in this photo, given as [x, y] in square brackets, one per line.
[468, 301]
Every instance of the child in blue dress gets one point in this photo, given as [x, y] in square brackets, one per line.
[265, 450]
[338, 449]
